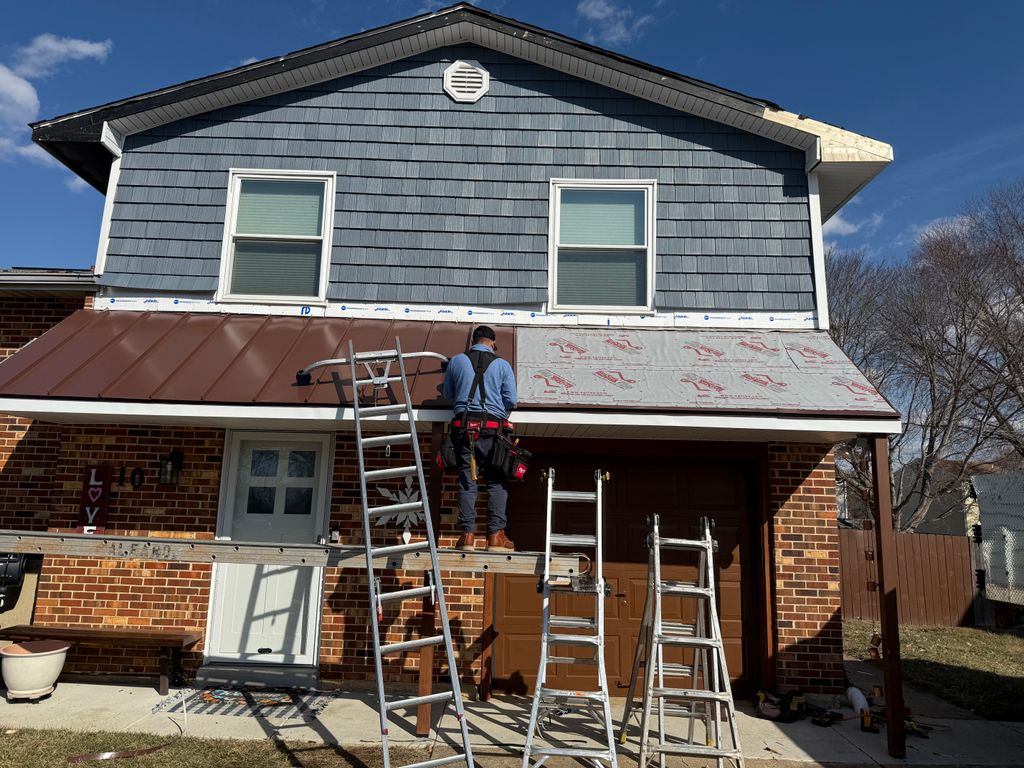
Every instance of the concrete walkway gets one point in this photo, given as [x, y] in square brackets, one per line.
[499, 728]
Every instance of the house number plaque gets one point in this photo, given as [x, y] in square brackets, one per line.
[92, 510]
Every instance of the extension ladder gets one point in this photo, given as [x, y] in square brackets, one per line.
[434, 589]
[588, 631]
[698, 690]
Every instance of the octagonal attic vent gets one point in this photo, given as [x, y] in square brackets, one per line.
[466, 82]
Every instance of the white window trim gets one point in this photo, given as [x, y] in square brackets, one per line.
[649, 187]
[225, 518]
[235, 178]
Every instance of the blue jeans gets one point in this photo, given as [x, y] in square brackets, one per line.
[497, 493]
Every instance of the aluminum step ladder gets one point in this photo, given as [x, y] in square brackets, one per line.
[562, 632]
[381, 379]
[697, 690]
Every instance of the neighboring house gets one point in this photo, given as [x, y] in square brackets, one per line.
[1000, 506]
[945, 513]
[647, 245]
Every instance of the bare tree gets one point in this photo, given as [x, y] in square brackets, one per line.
[924, 334]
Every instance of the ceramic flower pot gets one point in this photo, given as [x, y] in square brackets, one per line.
[31, 668]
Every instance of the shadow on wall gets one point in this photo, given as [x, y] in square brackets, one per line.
[27, 473]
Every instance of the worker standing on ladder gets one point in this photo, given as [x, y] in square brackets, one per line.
[482, 388]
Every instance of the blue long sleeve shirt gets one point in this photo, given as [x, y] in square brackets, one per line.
[499, 381]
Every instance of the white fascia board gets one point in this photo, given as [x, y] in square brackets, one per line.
[112, 140]
[108, 212]
[114, 143]
[327, 418]
[817, 250]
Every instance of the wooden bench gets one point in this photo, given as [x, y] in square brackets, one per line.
[170, 643]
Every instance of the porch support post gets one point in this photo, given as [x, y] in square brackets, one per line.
[426, 671]
[888, 582]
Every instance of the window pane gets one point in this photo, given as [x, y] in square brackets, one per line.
[261, 501]
[298, 501]
[301, 463]
[264, 267]
[264, 464]
[601, 217]
[280, 208]
[602, 278]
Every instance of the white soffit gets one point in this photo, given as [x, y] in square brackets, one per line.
[581, 424]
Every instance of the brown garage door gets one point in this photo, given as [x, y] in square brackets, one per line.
[680, 490]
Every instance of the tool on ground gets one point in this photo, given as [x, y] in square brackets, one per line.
[696, 689]
[380, 376]
[563, 633]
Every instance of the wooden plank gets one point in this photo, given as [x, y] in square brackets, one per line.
[909, 569]
[933, 603]
[144, 638]
[766, 560]
[214, 551]
[487, 638]
[967, 592]
[888, 598]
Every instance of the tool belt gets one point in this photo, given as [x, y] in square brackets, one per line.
[481, 424]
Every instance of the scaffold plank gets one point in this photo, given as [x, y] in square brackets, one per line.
[220, 551]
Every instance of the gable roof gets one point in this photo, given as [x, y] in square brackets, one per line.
[85, 141]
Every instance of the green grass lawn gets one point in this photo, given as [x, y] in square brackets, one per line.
[978, 669]
[27, 748]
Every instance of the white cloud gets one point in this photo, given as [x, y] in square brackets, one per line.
[77, 184]
[19, 100]
[46, 52]
[247, 60]
[610, 23]
[840, 226]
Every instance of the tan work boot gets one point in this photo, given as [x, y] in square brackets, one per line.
[499, 542]
[466, 542]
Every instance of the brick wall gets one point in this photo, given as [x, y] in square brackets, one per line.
[809, 631]
[28, 450]
[133, 593]
[91, 592]
[346, 645]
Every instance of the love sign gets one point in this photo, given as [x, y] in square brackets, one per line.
[92, 510]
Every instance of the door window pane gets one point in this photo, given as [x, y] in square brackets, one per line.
[301, 463]
[264, 464]
[298, 501]
[261, 501]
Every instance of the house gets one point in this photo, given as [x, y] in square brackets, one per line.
[648, 247]
[999, 510]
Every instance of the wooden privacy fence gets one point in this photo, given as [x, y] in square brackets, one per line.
[936, 582]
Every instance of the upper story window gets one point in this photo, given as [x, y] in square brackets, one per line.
[277, 240]
[602, 235]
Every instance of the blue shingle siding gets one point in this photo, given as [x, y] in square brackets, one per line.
[446, 202]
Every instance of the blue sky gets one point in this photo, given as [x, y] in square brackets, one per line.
[940, 81]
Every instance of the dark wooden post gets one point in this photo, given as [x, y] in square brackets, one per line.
[487, 639]
[888, 590]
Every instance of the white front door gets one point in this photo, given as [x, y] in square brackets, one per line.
[275, 488]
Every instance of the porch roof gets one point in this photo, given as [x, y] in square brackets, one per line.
[235, 369]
